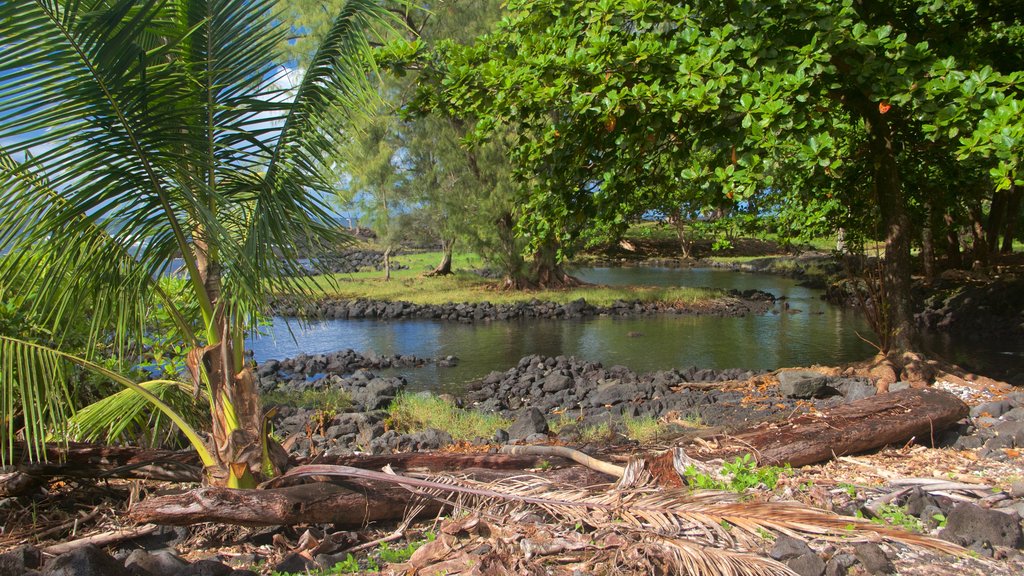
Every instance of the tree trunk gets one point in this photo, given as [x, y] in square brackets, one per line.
[445, 267]
[896, 268]
[238, 436]
[679, 223]
[387, 264]
[1012, 217]
[915, 414]
[547, 271]
[953, 257]
[996, 217]
[979, 250]
[928, 243]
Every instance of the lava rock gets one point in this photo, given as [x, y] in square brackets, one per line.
[840, 564]
[88, 560]
[803, 384]
[967, 524]
[787, 548]
[20, 560]
[807, 565]
[295, 562]
[530, 421]
[158, 563]
[873, 558]
[207, 568]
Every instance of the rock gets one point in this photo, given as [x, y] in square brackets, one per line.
[556, 383]
[992, 409]
[530, 421]
[803, 384]
[840, 564]
[967, 524]
[429, 439]
[873, 558]
[853, 388]
[158, 563]
[20, 560]
[295, 562]
[207, 568]
[787, 548]
[88, 560]
[807, 565]
[918, 501]
[501, 436]
[1017, 489]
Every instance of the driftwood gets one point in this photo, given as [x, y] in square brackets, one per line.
[916, 415]
[101, 539]
[353, 504]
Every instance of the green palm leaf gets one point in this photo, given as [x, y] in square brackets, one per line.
[128, 416]
[138, 131]
[32, 385]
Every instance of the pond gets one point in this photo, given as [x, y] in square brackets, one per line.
[809, 332]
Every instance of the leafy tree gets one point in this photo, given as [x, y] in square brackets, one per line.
[608, 97]
[139, 131]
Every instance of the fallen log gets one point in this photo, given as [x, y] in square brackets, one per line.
[81, 460]
[914, 414]
[354, 504]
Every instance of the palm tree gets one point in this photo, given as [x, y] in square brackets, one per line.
[135, 132]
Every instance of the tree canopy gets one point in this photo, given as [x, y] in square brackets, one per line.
[614, 103]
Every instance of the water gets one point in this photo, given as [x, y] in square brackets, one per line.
[810, 332]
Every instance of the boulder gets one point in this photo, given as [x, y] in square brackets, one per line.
[787, 548]
[158, 563]
[88, 560]
[530, 421]
[20, 560]
[804, 384]
[873, 558]
[968, 524]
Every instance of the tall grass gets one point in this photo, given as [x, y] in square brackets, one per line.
[415, 412]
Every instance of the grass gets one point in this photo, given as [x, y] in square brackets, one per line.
[415, 412]
[644, 429]
[465, 286]
[331, 399]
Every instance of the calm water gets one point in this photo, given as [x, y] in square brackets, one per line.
[810, 332]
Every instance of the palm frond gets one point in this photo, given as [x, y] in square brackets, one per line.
[128, 415]
[708, 517]
[32, 384]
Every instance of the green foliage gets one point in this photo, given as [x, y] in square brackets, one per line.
[415, 412]
[137, 133]
[892, 515]
[742, 474]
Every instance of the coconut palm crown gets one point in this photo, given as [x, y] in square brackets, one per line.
[135, 132]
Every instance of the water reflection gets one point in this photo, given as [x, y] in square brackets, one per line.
[810, 332]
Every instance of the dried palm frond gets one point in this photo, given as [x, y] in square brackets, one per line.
[707, 517]
[685, 557]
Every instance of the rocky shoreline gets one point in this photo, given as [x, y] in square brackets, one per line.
[733, 303]
[540, 392]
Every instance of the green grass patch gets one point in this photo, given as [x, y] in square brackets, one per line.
[465, 286]
[644, 429]
[415, 412]
[328, 399]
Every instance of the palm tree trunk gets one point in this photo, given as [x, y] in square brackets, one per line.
[238, 439]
